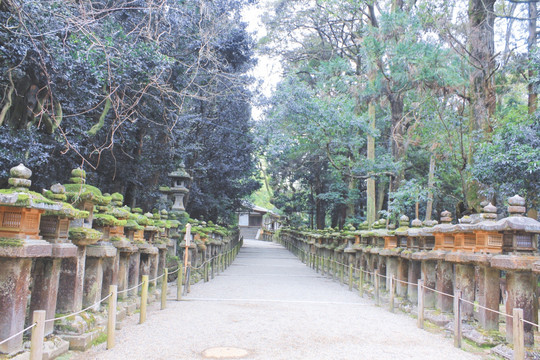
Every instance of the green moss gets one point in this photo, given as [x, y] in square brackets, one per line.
[82, 233]
[133, 225]
[80, 173]
[107, 220]
[120, 213]
[4, 241]
[68, 211]
[116, 238]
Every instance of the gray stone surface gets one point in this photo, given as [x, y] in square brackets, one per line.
[275, 307]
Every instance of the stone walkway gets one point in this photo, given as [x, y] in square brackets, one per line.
[268, 305]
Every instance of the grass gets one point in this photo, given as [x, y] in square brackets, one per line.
[100, 339]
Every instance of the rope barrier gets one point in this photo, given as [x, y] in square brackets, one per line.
[132, 288]
[531, 323]
[154, 279]
[80, 311]
[426, 287]
[485, 308]
[109, 295]
[17, 334]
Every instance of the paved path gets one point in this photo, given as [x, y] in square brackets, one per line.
[274, 307]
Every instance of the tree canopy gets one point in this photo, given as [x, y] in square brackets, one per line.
[408, 95]
[129, 90]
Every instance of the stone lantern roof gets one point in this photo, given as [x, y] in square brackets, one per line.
[516, 220]
[19, 194]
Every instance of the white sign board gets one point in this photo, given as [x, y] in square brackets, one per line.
[187, 238]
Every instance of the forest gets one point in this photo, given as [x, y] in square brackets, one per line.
[130, 90]
[392, 107]
[384, 108]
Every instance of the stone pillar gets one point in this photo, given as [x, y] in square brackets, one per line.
[46, 276]
[382, 267]
[99, 261]
[488, 296]
[445, 284]
[111, 266]
[123, 273]
[391, 269]
[93, 280]
[14, 284]
[402, 275]
[154, 266]
[414, 273]
[133, 276]
[465, 283]
[521, 293]
[70, 287]
[144, 264]
[162, 260]
[429, 276]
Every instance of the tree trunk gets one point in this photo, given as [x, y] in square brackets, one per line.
[371, 156]
[531, 46]
[481, 50]
[431, 182]
[380, 198]
[482, 89]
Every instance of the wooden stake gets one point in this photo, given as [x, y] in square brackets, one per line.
[421, 293]
[38, 335]
[519, 335]
[164, 289]
[457, 318]
[361, 282]
[350, 277]
[179, 281]
[392, 292]
[111, 320]
[377, 300]
[144, 299]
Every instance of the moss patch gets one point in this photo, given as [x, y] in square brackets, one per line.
[11, 242]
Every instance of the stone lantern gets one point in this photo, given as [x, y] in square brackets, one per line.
[179, 189]
[20, 244]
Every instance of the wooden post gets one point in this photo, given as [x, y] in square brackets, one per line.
[361, 282]
[341, 275]
[188, 279]
[350, 277]
[164, 289]
[322, 265]
[377, 300]
[421, 293]
[317, 263]
[392, 292]
[519, 336]
[111, 320]
[457, 318]
[144, 299]
[179, 281]
[38, 335]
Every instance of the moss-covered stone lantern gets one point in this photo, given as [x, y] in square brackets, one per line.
[179, 188]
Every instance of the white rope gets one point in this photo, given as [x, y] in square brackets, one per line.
[81, 311]
[17, 334]
[160, 276]
[531, 323]
[438, 292]
[485, 308]
[175, 271]
[132, 288]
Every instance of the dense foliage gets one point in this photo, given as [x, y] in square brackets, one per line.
[129, 90]
[425, 82]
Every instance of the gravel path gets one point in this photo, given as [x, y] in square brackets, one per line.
[274, 307]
